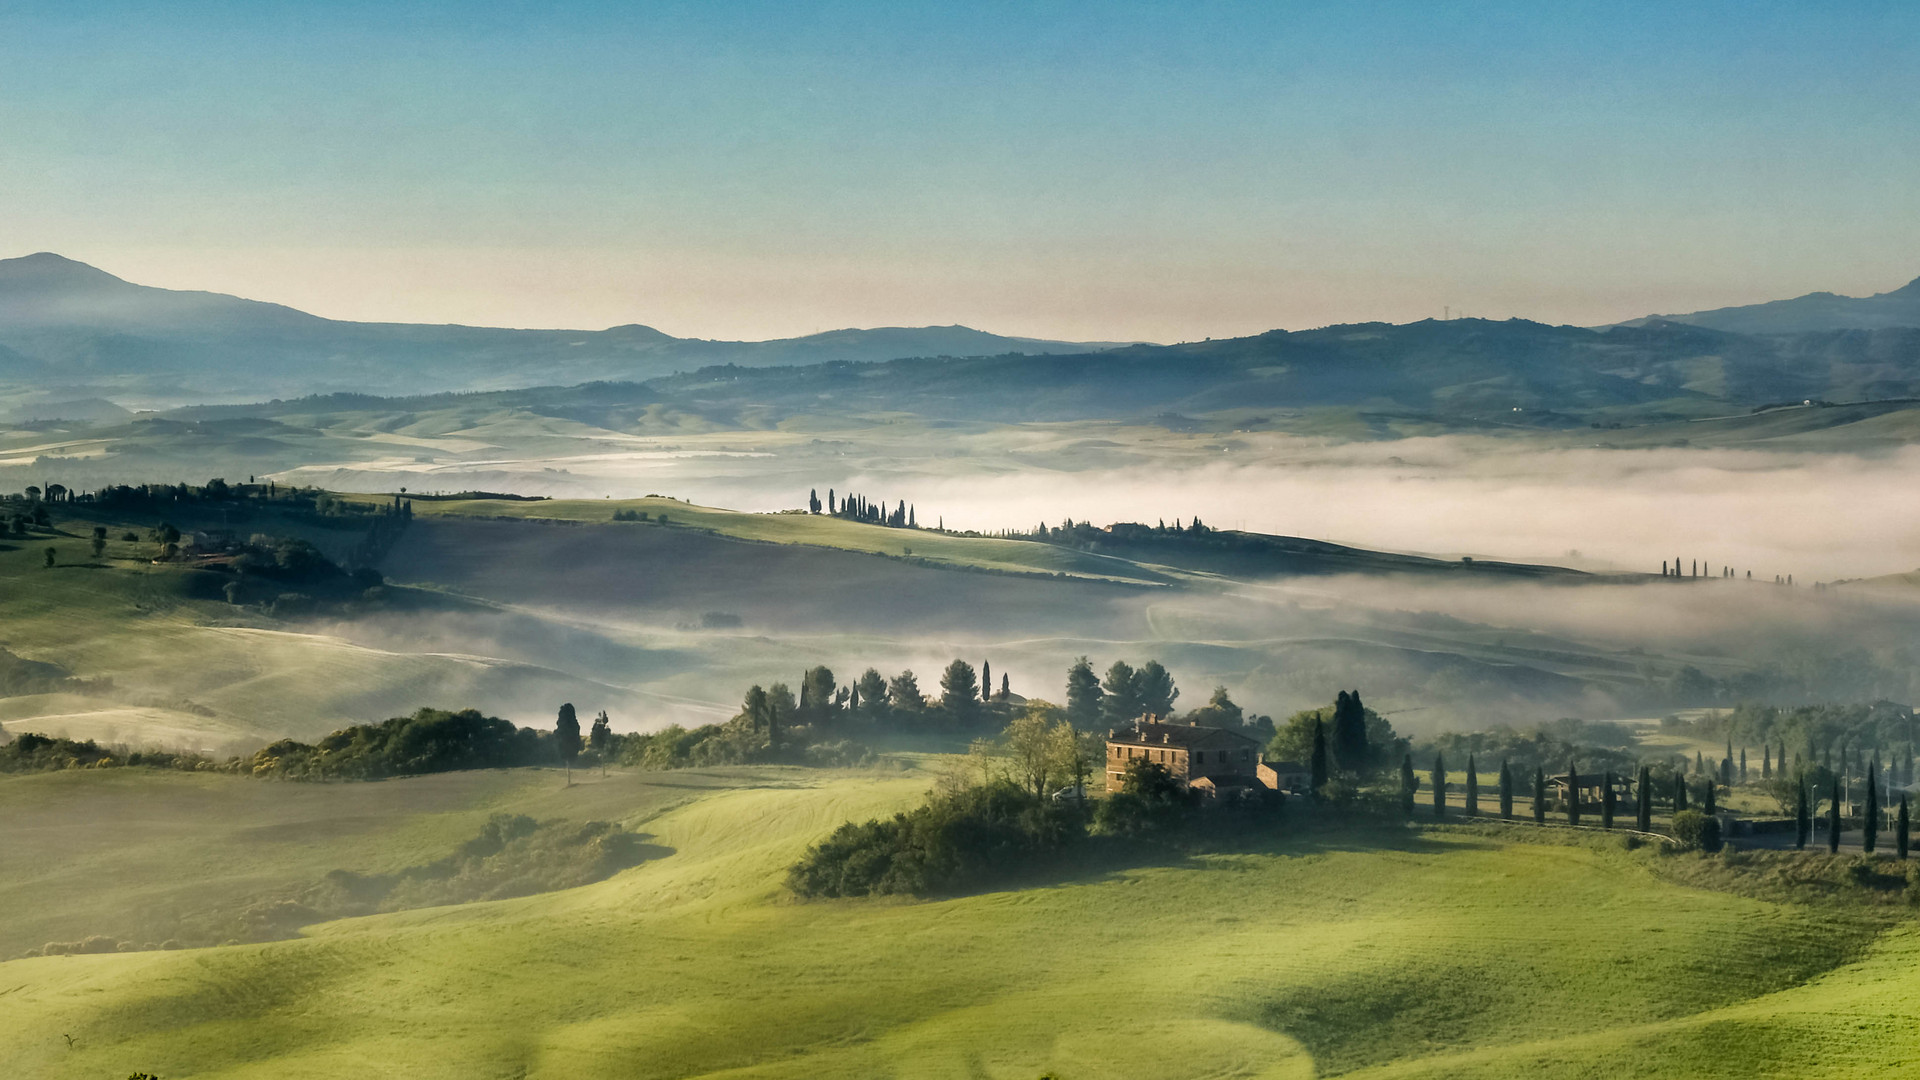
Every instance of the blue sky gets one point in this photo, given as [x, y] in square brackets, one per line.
[1102, 170]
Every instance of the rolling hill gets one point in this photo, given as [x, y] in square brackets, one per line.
[1819, 311]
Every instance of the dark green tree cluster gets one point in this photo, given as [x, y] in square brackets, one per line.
[429, 741]
[860, 508]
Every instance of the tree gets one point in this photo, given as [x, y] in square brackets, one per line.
[53, 556]
[1643, 801]
[1506, 791]
[818, 701]
[1802, 816]
[1743, 764]
[99, 545]
[1573, 794]
[1219, 711]
[1155, 686]
[1870, 827]
[782, 710]
[1833, 821]
[1317, 767]
[1473, 788]
[1408, 785]
[1608, 800]
[1679, 792]
[986, 679]
[959, 690]
[1706, 801]
[602, 733]
[1766, 761]
[870, 690]
[1042, 745]
[1439, 786]
[903, 693]
[1350, 732]
[1083, 695]
[754, 708]
[1120, 702]
[1006, 692]
[566, 736]
[1539, 796]
[1900, 834]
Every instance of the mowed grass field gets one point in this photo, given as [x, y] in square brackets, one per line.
[1451, 953]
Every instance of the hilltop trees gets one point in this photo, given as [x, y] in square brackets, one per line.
[903, 692]
[1378, 741]
[1155, 689]
[1350, 746]
[1120, 695]
[960, 691]
[1083, 695]
[566, 737]
[1317, 767]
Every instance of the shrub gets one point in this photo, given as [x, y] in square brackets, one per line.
[966, 839]
[1697, 830]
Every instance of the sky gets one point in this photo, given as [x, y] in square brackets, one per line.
[1096, 171]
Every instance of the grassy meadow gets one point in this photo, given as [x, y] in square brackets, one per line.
[1453, 952]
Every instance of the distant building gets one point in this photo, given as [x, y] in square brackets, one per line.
[1285, 775]
[1592, 788]
[1206, 758]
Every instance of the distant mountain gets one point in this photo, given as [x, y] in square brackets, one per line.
[67, 323]
[1463, 372]
[1815, 312]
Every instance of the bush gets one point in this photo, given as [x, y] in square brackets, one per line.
[429, 741]
[963, 840]
[1697, 830]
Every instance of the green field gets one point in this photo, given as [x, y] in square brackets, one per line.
[1459, 952]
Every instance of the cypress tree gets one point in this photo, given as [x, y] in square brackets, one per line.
[1643, 805]
[1539, 796]
[1802, 816]
[1706, 804]
[1408, 784]
[1573, 794]
[1743, 764]
[1833, 822]
[1679, 793]
[1506, 791]
[1439, 787]
[1870, 829]
[1473, 789]
[1766, 761]
[1900, 829]
[1317, 777]
[1607, 801]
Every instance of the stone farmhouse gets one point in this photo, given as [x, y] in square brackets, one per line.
[1207, 759]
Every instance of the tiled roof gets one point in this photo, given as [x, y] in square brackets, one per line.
[1156, 733]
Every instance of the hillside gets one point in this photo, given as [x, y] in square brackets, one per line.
[1418, 954]
[1819, 311]
[64, 321]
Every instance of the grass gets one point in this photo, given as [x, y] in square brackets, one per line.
[818, 530]
[1448, 953]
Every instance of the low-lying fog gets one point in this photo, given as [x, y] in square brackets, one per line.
[1812, 515]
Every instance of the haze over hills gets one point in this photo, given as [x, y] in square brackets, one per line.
[66, 323]
[1816, 311]
[71, 334]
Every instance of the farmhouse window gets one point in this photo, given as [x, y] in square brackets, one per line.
[1199, 757]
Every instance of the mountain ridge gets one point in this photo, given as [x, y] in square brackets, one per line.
[68, 321]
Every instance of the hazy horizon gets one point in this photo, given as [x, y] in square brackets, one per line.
[1119, 173]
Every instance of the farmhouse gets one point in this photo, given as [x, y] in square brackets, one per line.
[1591, 787]
[1207, 758]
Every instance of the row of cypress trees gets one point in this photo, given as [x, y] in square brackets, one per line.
[1643, 804]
